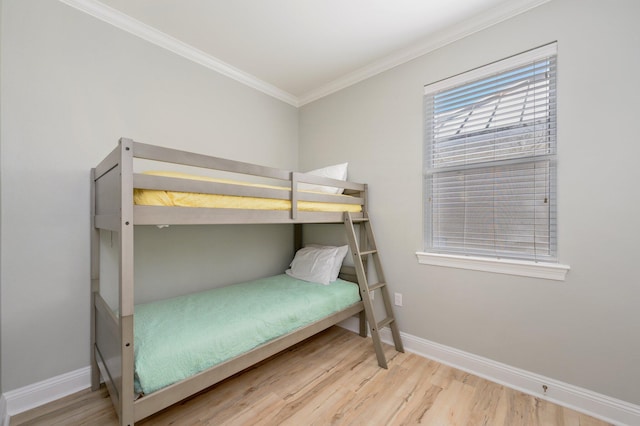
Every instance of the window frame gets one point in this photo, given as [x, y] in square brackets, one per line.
[548, 268]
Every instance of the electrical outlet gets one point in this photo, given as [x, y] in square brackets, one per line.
[398, 300]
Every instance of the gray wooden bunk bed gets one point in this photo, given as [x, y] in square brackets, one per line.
[113, 183]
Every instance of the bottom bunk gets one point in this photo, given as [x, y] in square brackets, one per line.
[186, 344]
[179, 337]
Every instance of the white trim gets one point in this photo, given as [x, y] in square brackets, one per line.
[133, 26]
[46, 391]
[600, 406]
[477, 23]
[495, 67]
[549, 271]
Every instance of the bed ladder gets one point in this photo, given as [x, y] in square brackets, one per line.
[361, 253]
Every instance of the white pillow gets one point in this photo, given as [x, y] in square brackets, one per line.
[341, 253]
[338, 171]
[313, 264]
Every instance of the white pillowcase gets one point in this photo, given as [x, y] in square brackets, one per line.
[341, 253]
[313, 264]
[338, 171]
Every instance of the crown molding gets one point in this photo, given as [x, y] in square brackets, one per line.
[442, 38]
[133, 26]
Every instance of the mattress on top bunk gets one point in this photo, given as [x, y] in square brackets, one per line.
[179, 337]
[152, 197]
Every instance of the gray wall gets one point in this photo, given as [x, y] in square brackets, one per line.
[1, 107]
[583, 331]
[71, 86]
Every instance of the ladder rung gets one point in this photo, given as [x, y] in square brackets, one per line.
[364, 253]
[376, 286]
[359, 219]
[385, 322]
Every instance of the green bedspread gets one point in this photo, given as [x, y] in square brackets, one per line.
[179, 337]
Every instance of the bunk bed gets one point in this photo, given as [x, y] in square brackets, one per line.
[122, 199]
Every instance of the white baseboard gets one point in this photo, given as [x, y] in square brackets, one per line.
[37, 394]
[600, 406]
[585, 401]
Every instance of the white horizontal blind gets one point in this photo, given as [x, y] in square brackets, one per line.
[490, 147]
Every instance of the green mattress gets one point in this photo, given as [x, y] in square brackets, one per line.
[179, 337]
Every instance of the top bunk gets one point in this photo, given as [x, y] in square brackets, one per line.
[122, 197]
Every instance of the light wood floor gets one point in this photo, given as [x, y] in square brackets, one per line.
[332, 378]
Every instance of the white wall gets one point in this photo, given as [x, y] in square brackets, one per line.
[583, 331]
[71, 86]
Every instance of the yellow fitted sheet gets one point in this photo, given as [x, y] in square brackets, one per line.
[152, 197]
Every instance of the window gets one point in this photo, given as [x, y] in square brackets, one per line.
[490, 160]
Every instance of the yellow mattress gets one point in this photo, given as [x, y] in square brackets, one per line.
[152, 197]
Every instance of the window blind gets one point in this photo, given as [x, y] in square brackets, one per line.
[490, 160]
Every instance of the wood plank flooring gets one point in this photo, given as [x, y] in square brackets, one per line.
[332, 379]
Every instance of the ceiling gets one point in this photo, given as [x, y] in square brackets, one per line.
[301, 50]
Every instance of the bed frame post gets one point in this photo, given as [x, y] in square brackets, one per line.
[95, 282]
[126, 301]
[294, 195]
[364, 194]
[297, 237]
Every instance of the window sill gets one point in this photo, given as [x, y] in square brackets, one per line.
[550, 271]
